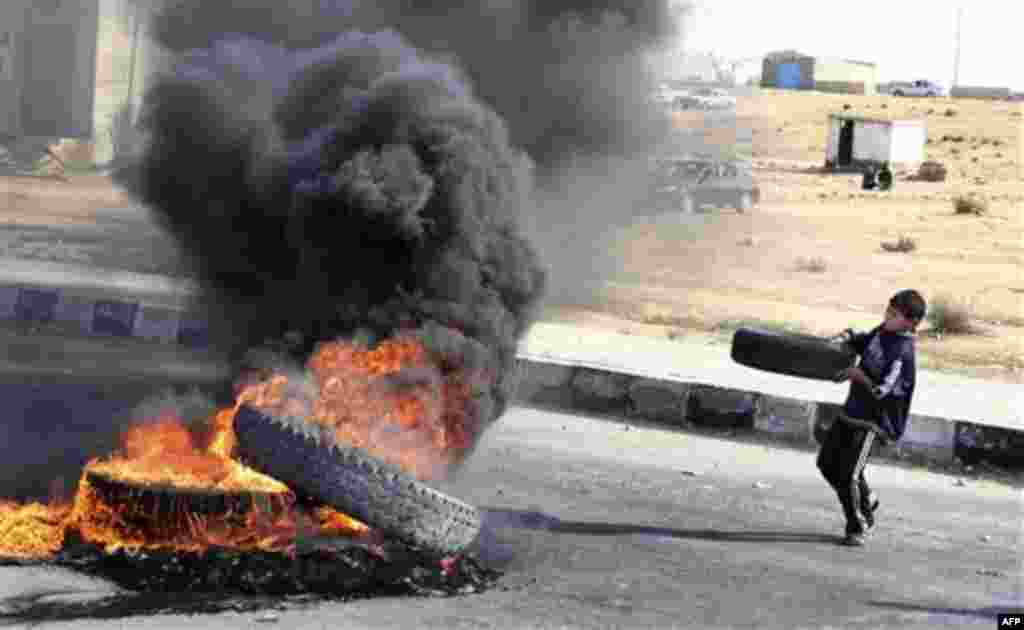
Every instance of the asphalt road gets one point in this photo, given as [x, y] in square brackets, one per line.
[598, 525]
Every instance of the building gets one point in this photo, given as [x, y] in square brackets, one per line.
[792, 70]
[74, 70]
[854, 142]
[989, 93]
[47, 67]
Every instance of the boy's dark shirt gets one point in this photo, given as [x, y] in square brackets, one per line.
[887, 359]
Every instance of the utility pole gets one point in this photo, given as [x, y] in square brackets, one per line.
[956, 61]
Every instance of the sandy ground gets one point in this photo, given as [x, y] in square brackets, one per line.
[600, 525]
[713, 271]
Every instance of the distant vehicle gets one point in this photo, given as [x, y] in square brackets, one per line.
[706, 98]
[667, 98]
[921, 87]
[689, 183]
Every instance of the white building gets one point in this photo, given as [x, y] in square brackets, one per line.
[856, 141]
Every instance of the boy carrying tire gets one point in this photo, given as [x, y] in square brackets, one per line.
[877, 407]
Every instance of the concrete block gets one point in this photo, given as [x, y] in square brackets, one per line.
[659, 400]
[786, 418]
[601, 391]
[36, 306]
[114, 317]
[975, 443]
[74, 314]
[8, 300]
[544, 383]
[930, 437]
[156, 323]
[193, 331]
[721, 408]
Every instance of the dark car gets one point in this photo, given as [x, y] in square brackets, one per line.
[688, 184]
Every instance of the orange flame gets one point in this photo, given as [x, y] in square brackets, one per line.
[417, 423]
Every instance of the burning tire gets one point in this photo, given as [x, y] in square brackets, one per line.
[159, 501]
[348, 479]
[793, 354]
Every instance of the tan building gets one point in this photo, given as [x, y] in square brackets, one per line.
[793, 70]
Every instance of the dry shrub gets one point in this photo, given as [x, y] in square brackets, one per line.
[932, 171]
[950, 316]
[904, 244]
[970, 204]
[815, 264]
[657, 315]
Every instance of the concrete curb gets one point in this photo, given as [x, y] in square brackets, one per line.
[70, 311]
[546, 381]
[796, 422]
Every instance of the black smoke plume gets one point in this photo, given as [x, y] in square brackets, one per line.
[570, 78]
[356, 188]
[341, 168]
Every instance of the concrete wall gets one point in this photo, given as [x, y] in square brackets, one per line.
[12, 30]
[908, 144]
[993, 93]
[871, 141]
[899, 143]
[127, 59]
[844, 77]
[49, 62]
[832, 140]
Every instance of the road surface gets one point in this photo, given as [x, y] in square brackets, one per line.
[598, 525]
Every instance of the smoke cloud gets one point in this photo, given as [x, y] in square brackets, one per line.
[352, 188]
[570, 79]
[355, 169]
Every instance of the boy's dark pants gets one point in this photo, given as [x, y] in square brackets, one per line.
[841, 460]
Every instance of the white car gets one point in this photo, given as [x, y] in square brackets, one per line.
[921, 87]
[706, 98]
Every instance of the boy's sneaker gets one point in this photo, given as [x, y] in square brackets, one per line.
[854, 540]
[869, 513]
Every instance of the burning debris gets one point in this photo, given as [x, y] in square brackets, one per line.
[170, 512]
[356, 189]
[351, 208]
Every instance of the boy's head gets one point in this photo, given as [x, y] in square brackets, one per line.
[905, 311]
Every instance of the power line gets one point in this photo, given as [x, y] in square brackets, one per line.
[956, 59]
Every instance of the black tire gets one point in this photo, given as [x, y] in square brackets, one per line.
[352, 481]
[793, 354]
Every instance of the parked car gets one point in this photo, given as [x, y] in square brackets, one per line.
[690, 183]
[706, 98]
[921, 87]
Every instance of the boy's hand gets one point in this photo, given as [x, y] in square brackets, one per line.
[854, 374]
[857, 375]
[844, 337]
